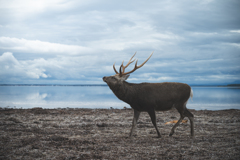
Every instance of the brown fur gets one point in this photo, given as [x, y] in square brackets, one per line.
[151, 97]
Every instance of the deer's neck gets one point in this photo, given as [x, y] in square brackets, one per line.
[122, 91]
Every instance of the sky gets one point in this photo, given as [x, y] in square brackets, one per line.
[77, 42]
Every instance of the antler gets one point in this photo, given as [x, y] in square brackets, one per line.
[122, 67]
[115, 68]
[137, 67]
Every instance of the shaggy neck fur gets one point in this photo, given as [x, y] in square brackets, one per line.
[121, 90]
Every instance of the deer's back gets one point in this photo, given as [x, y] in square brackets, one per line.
[161, 96]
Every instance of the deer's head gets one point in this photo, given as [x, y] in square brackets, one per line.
[121, 76]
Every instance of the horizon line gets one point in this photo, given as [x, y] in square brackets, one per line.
[105, 84]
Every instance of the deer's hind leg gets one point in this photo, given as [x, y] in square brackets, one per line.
[190, 116]
[177, 124]
[180, 109]
[184, 112]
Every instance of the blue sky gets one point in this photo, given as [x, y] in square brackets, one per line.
[77, 42]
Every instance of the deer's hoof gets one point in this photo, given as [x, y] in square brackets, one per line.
[170, 135]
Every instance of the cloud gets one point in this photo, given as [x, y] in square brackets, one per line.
[29, 8]
[12, 69]
[36, 46]
[78, 41]
[235, 31]
[81, 69]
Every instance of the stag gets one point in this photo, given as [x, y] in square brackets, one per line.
[150, 97]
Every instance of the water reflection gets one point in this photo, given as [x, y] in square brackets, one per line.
[215, 98]
[36, 96]
[211, 98]
[58, 97]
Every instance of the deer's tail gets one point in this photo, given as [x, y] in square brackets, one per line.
[191, 94]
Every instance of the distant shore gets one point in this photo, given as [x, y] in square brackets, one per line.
[53, 85]
[229, 85]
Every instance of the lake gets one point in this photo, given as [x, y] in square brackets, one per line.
[210, 98]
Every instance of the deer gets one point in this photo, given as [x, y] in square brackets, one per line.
[150, 97]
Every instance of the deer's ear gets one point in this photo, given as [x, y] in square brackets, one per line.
[125, 77]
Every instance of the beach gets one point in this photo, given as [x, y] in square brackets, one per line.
[70, 133]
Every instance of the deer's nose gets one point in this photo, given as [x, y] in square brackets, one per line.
[104, 79]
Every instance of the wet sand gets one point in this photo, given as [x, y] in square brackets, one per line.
[103, 134]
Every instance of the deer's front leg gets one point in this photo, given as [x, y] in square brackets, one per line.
[153, 118]
[134, 122]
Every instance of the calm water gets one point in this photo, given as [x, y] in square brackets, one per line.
[211, 98]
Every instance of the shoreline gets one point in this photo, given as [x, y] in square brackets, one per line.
[111, 108]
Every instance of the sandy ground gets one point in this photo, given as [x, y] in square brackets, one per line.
[103, 134]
